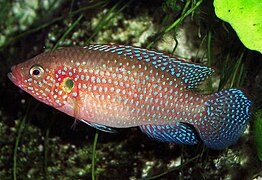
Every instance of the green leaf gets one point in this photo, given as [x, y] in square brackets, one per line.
[246, 19]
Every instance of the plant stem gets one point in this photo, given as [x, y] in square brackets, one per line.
[17, 140]
[94, 154]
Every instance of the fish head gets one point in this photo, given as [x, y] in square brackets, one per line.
[38, 77]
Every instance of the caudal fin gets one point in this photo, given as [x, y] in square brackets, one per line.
[227, 113]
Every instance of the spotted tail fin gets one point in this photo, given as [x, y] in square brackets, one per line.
[227, 113]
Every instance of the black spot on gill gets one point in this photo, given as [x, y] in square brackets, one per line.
[69, 83]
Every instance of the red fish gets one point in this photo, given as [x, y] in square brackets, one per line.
[117, 86]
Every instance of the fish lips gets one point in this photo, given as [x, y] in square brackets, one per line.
[15, 75]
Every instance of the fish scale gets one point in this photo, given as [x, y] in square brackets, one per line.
[118, 86]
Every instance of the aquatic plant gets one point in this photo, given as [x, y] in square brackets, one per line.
[245, 18]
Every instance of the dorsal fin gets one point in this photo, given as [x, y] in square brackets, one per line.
[191, 74]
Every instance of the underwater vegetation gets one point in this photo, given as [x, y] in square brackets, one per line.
[39, 142]
[245, 18]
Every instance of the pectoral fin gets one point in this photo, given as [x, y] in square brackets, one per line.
[100, 127]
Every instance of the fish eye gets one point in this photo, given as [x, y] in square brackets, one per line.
[36, 71]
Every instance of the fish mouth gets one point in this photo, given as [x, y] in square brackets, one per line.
[15, 75]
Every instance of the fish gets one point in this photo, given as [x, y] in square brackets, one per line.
[110, 86]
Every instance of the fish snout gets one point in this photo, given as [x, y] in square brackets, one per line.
[15, 75]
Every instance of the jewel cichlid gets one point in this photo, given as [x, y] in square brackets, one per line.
[118, 86]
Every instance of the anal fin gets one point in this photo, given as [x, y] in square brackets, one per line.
[179, 133]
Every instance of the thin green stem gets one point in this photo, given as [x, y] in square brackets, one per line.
[46, 152]
[182, 162]
[201, 45]
[108, 16]
[209, 57]
[226, 72]
[18, 137]
[94, 154]
[240, 79]
[209, 48]
[185, 13]
[17, 140]
[46, 147]
[171, 169]
[68, 31]
[54, 20]
[236, 69]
